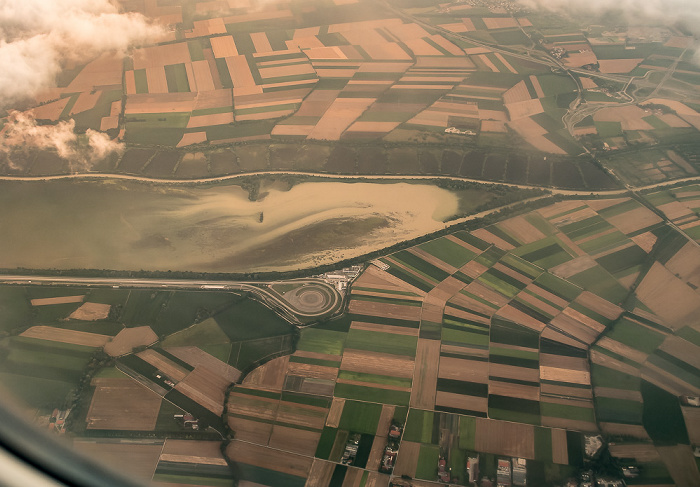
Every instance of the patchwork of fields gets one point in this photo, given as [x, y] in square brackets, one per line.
[304, 84]
[511, 340]
[515, 339]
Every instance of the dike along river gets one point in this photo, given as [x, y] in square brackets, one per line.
[110, 224]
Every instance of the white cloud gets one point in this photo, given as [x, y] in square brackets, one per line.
[37, 36]
[22, 132]
[668, 11]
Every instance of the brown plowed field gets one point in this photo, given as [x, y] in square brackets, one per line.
[320, 474]
[425, 374]
[193, 451]
[431, 259]
[407, 459]
[563, 362]
[58, 300]
[504, 438]
[136, 458]
[466, 315]
[569, 424]
[335, 412]
[539, 304]
[206, 388]
[461, 401]
[385, 310]
[302, 415]
[513, 372]
[686, 263]
[294, 440]
[377, 363]
[487, 294]
[600, 305]
[168, 367]
[557, 336]
[692, 422]
[489, 237]
[514, 390]
[91, 312]
[516, 316]
[634, 220]
[642, 452]
[635, 430]
[197, 357]
[66, 336]
[473, 304]
[252, 431]
[269, 458]
[259, 407]
[607, 361]
[270, 375]
[565, 375]
[622, 349]
[122, 404]
[385, 420]
[560, 450]
[376, 453]
[521, 229]
[464, 370]
[668, 296]
[574, 327]
[353, 477]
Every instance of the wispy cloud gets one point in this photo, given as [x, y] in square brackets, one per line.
[22, 133]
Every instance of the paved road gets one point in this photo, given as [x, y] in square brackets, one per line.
[210, 285]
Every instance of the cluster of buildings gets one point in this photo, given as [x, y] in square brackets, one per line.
[57, 421]
[511, 473]
[187, 421]
[392, 448]
[341, 277]
[351, 447]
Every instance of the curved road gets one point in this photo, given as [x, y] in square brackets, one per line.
[208, 285]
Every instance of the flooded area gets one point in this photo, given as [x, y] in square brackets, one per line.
[135, 226]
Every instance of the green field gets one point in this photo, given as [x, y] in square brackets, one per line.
[321, 341]
[207, 332]
[427, 462]
[419, 426]
[374, 341]
[360, 417]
